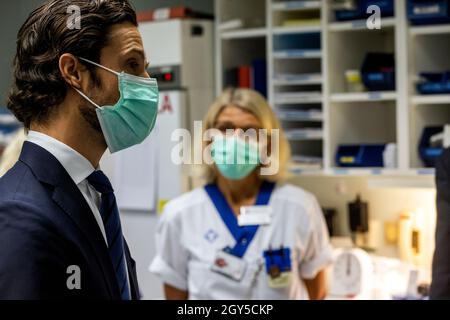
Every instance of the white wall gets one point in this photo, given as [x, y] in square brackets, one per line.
[385, 204]
[139, 230]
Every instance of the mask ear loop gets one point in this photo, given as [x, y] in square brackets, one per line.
[100, 66]
[87, 98]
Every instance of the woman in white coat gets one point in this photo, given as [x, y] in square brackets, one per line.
[246, 234]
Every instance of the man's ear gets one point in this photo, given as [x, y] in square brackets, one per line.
[72, 70]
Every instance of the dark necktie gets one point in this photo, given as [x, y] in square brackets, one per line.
[111, 221]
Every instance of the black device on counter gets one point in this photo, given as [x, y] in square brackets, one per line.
[359, 215]
[330, 215]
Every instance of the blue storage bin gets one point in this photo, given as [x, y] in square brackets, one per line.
[427, 153]
[360, 156]
[301, 41]
[378, 72]
[360, 11]
[422, 12]
[8, 123]
[8, 126]
[434, 83]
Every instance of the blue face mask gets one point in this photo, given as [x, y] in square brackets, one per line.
[131, 120]
[234, 157]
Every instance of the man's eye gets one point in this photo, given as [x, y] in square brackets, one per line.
[134, 65]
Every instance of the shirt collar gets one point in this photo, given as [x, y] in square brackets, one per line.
[76, 165]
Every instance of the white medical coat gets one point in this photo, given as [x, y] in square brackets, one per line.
[191, 232]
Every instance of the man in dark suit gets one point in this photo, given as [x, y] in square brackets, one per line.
[440, 285]
[60, 231]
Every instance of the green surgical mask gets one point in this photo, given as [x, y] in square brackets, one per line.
[234, 157]
[131, 120]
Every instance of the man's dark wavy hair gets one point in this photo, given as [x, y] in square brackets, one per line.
[38, 86]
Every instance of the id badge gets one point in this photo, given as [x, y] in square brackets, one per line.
[229, 265]
[282, 280]
[278, 268]
[255, 216]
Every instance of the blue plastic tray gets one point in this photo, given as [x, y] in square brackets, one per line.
[422, 12]
[386, 6]
[360, 156]
[378, 71]
[434, 83]
[427, 153]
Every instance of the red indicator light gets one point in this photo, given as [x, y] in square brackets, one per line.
[168, 76]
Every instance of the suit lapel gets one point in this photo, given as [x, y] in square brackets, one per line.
[69, 198]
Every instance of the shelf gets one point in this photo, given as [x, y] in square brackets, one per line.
[304, 138]
[244, 34]
[429, 30]
[296, 5]
[299, 119]
[359, 25]
[364, 96]
[298, 54]
[304, 134]
[299, 102]
[299, 29]
[363, 172]
[423, 172]
[297, 79]
[431, 99]
[410, 178]
[306, 172]
[300, 116]
[284, 98]
[279, 82]
[296, 82]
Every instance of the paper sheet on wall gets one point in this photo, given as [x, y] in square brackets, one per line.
[136, 175]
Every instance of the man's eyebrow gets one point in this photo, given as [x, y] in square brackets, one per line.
[141, 53]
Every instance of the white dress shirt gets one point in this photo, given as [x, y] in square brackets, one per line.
[78, 168]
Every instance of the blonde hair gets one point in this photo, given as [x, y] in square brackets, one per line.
[254, 103]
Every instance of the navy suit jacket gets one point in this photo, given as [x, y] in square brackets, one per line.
[46, 226]
[440, 286]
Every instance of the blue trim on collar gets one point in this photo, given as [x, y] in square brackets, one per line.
[242, 235]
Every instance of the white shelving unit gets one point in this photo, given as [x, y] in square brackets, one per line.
[428, 51]
[296, 30]
[298, 25]
[431, 99]
[358, 25]
[364, 96]
[343, 118]
[244, 34]
[297, 54]
[427, 30]
[296, 5]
